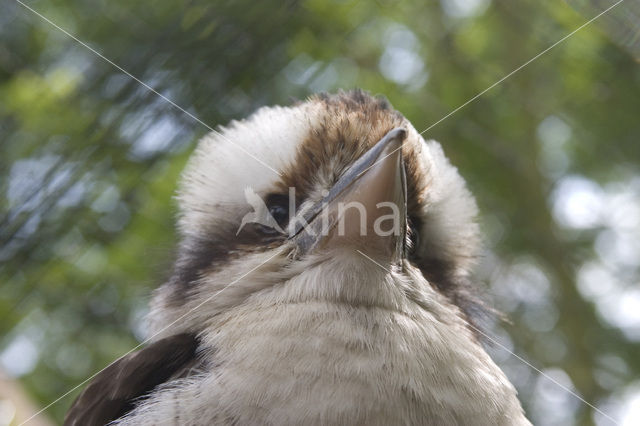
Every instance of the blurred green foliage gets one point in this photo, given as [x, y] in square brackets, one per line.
[90, 160]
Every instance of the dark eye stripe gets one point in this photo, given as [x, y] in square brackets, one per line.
[202, 254]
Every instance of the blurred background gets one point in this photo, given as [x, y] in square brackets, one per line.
[89, 161]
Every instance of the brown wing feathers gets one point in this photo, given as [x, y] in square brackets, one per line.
[114, 391]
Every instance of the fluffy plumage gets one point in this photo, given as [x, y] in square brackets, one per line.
[329, 338]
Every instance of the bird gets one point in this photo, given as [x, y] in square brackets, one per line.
[358, 313]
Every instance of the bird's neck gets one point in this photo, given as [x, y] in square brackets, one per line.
[332, 361]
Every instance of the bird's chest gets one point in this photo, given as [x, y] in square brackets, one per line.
[331, 364]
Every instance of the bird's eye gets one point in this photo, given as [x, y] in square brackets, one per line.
[278, 206]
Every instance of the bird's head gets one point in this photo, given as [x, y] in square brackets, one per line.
[321, 201]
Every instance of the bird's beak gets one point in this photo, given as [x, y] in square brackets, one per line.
[364, 210]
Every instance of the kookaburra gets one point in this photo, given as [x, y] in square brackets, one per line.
[334, 321]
